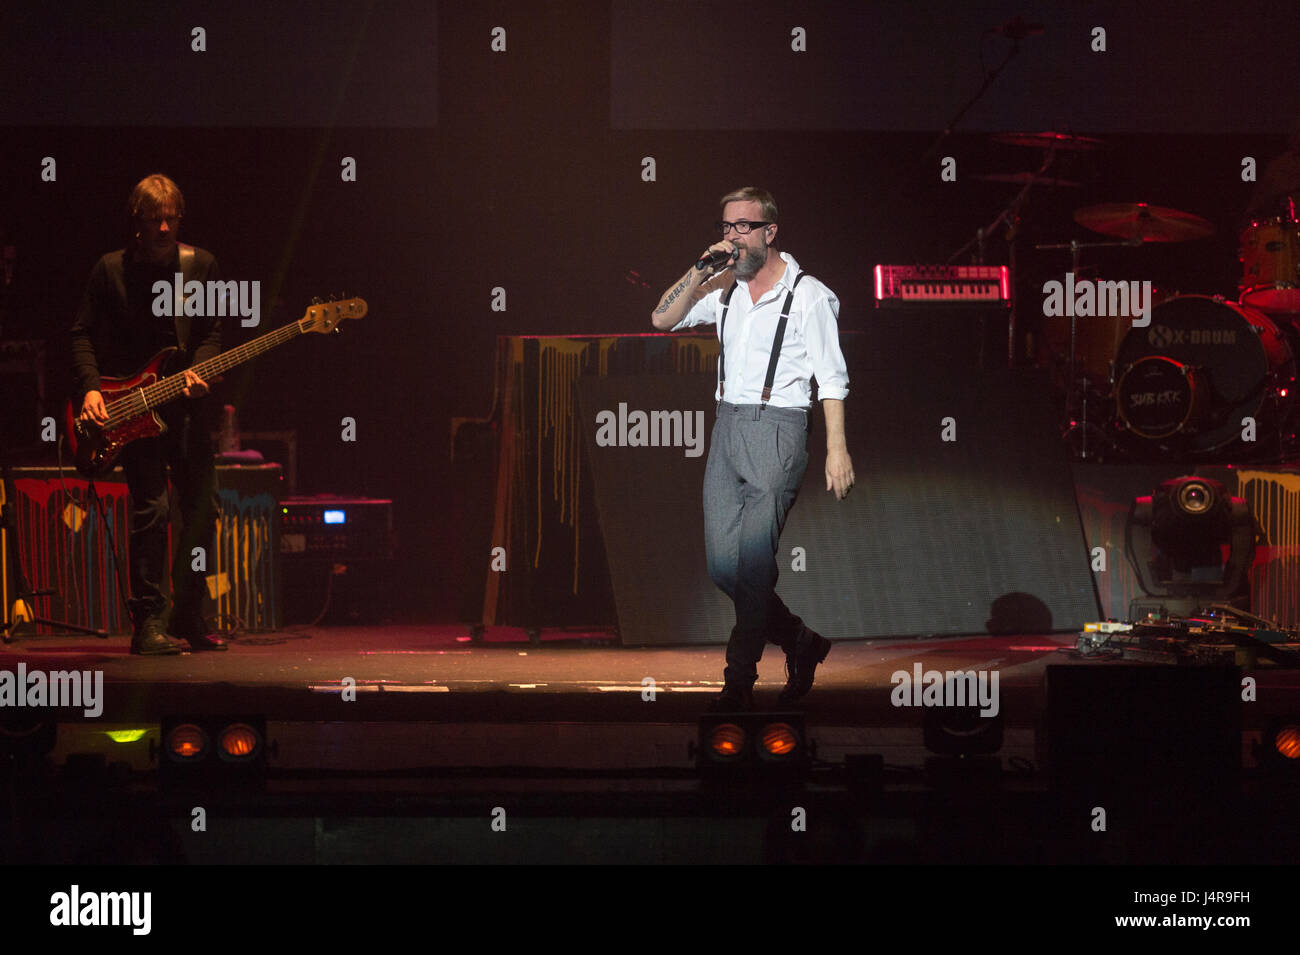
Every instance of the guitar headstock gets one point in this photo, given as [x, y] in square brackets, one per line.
[323, 317]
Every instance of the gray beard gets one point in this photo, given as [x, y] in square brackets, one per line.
[749, 266]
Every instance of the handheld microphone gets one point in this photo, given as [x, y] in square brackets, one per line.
[715, 259]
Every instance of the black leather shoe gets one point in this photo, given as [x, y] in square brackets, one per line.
[733, 699]
[206, 641]
[194, 631]
[802, 664]
[149, 640]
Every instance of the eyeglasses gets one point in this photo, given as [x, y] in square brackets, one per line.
[742, 226]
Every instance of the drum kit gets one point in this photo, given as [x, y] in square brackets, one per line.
[1205, 379]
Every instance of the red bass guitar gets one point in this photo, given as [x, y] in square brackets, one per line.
[132, 402]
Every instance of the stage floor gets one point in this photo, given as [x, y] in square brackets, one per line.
[438, 673]
[427, 673]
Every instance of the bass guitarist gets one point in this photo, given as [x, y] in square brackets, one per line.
[117, 331]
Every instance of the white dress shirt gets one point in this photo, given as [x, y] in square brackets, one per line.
[811, 347]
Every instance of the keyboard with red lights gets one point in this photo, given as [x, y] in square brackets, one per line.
[941, 285]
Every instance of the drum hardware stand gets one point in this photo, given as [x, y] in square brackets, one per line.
[1284, 410]
[1085, 453]
[1076, 394]
[1088, 431]
[1270, 389]
[1279, 418]
[1011, 216]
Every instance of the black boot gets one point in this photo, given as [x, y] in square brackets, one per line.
[811, 649]
[734, 698]
[151, 640]
[194, 631]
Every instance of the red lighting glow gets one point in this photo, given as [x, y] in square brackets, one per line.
[728, 739]
[1287, 741]
[187, 742]
[238, 741]
[779, 739]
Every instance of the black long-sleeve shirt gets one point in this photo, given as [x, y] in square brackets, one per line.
[116, 331]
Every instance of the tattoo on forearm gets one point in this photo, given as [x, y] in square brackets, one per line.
[668, 300]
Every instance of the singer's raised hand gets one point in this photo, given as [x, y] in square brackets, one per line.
[709, 261]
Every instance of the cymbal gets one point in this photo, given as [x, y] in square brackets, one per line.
[1021, 178]
[1044, 140]
[1142, 222]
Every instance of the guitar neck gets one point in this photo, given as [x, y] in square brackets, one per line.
[320, 318]
[171, 387]
[245, 352]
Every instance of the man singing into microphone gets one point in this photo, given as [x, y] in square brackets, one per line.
[777, 327]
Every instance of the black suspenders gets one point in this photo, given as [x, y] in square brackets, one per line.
[722, 340]
[776, 343]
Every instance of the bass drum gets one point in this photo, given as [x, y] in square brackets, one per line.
[1188, 379]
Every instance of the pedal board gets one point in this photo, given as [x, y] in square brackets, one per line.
[1197, 641]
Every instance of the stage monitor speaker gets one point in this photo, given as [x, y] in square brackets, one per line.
[963, 519]
[1125, 733]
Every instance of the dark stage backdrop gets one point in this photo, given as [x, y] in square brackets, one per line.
[972, 535]
[523, 169]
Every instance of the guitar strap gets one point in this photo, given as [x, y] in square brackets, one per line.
[183, 321]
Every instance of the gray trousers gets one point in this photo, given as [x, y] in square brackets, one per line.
[757, 459]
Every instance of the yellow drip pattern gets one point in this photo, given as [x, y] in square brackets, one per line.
[561, 361]
[606, 346]
[694, 354]
[1274, 498]
[244, 552]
